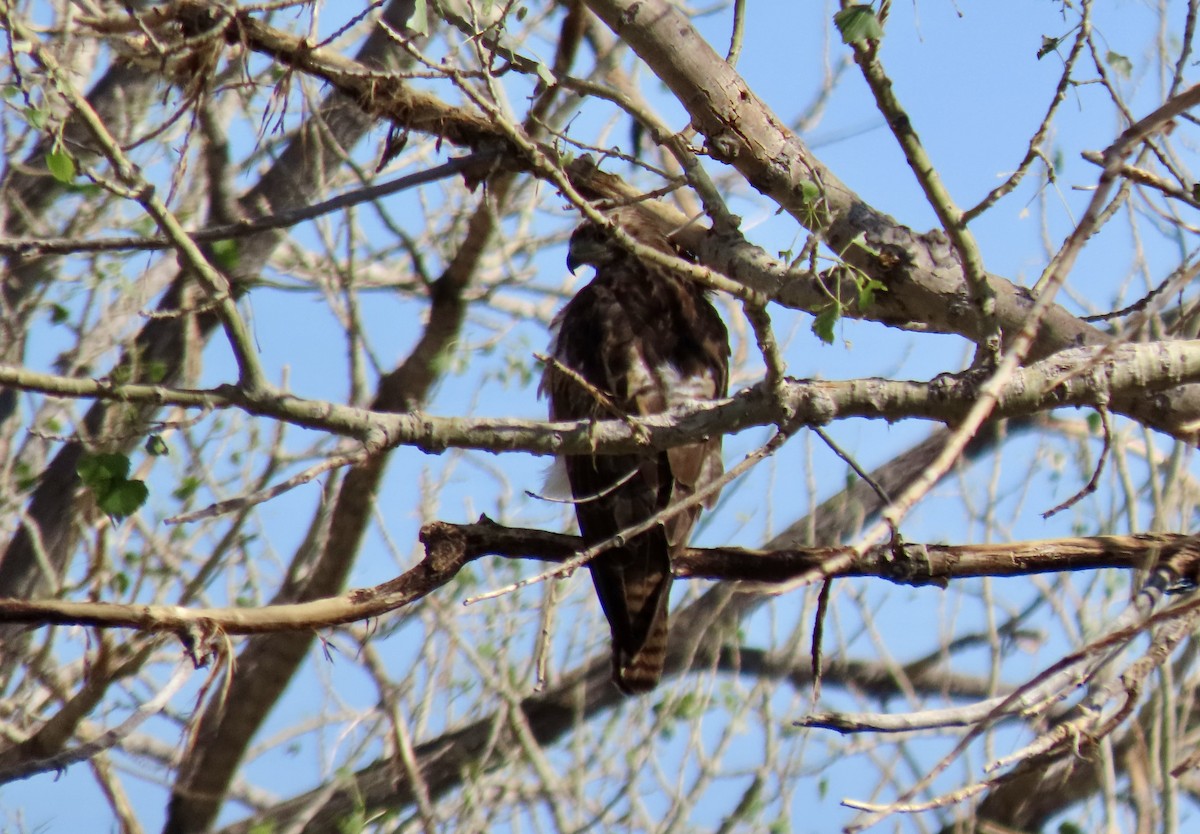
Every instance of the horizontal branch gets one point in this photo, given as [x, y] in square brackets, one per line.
[919, 564]
[1115, 376]
[443, 560]
[450, 547]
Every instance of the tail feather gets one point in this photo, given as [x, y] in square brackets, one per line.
[633, 584]
[640, 671]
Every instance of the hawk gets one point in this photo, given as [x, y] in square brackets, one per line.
[638, 339]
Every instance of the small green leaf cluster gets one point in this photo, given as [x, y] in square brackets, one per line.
[106, 474]
[858, 24]
[828, 316]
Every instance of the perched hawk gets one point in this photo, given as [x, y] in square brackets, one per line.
[646, 340]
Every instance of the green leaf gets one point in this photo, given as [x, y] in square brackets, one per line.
[810, 202]
[1048, 45]
[263, 827]
[35, 117]
[1121, 65]
[156, 446]
[858, 24]
[225, 253]
[419, 22]
[823, 324]
[187, 488]
[123, 498]
[26, 479]
[353, 823]
[61, 166]
[107, 476]
[98, 470]
[689, 706]
[58, 314]
[154, 371]
[809, 191]
[1094, 423]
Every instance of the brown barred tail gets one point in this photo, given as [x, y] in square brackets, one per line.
[641, 671]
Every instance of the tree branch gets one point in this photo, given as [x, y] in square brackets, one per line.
[450, 547]
[1124, 377]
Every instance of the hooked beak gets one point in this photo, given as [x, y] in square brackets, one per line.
[586, 250]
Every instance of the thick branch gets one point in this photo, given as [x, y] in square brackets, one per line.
[449, 547]
[1123, 378]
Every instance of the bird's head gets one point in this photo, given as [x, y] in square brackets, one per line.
[595, 245]
[591, 245]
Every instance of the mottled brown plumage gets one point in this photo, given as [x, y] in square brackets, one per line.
[648, 340]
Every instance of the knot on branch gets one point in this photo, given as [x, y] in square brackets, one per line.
[723, 146]
[446, 544]
[909, 564]
[812, 401]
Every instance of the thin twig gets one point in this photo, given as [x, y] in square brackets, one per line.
[244, 228]
[1093, 482]
[739, 27]
[61, 761]
[1039, 136]
[853, 464]
[245, 501]
[866, 53]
